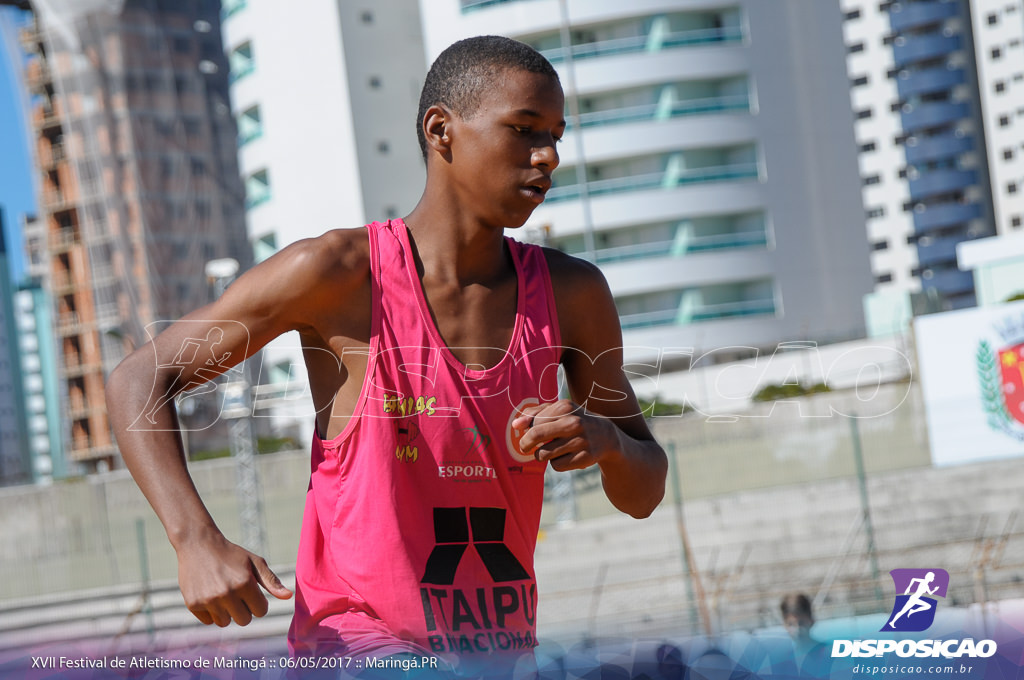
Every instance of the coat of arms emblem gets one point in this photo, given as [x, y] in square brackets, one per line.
[1001, 379]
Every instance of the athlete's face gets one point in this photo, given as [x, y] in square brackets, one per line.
[502, 155]
[797, 624]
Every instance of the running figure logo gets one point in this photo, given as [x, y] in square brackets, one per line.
[914, 610]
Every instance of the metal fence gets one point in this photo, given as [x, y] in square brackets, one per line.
[780, 500]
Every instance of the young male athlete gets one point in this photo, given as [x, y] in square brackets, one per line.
[432, 345]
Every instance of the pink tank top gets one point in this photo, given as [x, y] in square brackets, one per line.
[422, 515]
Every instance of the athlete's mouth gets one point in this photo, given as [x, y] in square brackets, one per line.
[539, 186]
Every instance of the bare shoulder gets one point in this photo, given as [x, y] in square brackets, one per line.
[339, 255]
[305, 282]
[586, 309]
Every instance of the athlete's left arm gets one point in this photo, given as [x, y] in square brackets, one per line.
[602, 424]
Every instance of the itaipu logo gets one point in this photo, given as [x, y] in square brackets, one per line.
[914, 610]
[1001, 377]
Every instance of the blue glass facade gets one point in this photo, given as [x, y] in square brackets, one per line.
[930, 47]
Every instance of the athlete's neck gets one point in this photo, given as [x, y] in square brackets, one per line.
[456, 250]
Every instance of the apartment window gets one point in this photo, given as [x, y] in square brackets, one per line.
[996, 53]
[864, 148]
[872, 179]
[241, 62]
[992, 19]
[884, 6]
[883, 278]
[892, 73]
[851, 15]
[182, 45]
[366, 17]
[374, 83]
[250, 125]
[264, 246]
[198, 166]
[1015, 221]
[383, 147]
[1007, 154]
[229, 7]
[863, 114]
[1000, 86]
[257, 188]
[875, 213]
[855, 48]
[888, 40]
[902, 174]
[859, 81]
[1004, 121]
[895, 107]
[1011, 187]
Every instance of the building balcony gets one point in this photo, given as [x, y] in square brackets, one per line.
[55, 201]
[46, 116]
[30, 36]
[77, 370]
[942, 181]
[929, 80]
[934, 114]
[923, 47]
[905, 16]
[62, 240]
[947, 145]
[658, 180]
[82, 450]
[472, 5]
[648, 43]
[699, 314]
[69, 323]
[674, 248]
[63, 283]
[50, 155]
[38, 73]
[945, 215]
[691, 107]
[80, 411]
[932, 252]
[949, 282]
[664, 317]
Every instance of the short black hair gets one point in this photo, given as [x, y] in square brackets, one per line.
[462, 73]
[797, 604]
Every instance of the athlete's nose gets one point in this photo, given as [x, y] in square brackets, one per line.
[545, 155]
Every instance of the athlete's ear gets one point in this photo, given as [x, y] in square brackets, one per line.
[436, 128]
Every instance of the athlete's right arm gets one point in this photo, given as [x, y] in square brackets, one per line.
[296, 289]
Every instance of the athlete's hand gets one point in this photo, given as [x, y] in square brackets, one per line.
[564, 434]
[221, 581]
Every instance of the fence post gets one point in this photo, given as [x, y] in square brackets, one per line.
[865, 505]
[147, 604]
[694, 590]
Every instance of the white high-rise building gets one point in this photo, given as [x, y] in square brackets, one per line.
[999, 55]
[325, 96]
[938, 93]
[720, 191]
